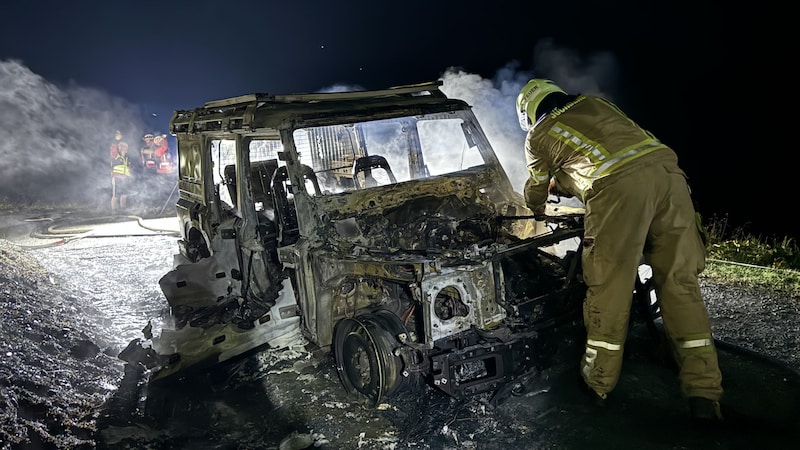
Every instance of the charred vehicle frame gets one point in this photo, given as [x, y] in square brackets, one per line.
[379, 225]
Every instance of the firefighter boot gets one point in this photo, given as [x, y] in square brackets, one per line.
[704, 410]
[592, 397]
[114, 205]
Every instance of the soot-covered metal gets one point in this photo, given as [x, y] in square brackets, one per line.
[379, 225]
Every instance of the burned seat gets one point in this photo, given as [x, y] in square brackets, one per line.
[285, 213]
[261, 173]
[365, 164]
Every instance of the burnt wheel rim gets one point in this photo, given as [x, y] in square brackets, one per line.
[360, 363]
[366, 360]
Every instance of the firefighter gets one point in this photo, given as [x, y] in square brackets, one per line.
[147, 154]
[120, 178]
[637, 203]
[162, 154]
[112, 151]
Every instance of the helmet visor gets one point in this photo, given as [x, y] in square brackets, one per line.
[524, 120]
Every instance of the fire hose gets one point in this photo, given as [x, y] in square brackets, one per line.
[85, 228]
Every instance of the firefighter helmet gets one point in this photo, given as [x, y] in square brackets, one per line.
[530, 97]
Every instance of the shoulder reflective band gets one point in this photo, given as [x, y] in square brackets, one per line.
[603, 344]
[603, 160]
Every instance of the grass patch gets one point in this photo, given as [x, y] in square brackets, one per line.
[734, 255]
[786, 282]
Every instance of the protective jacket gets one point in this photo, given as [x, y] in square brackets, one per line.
[637, 204]
[147, 153]
[164, 158]
[120, 166]
[591, 142]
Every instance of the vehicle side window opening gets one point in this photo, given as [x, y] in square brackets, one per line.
[223, 155]
[263, 156]
[264, 161]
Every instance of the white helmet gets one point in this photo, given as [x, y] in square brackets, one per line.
[530, 97]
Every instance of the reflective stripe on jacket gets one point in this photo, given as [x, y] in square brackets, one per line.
[580, 143]
[121, 166]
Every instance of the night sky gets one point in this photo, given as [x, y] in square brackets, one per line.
[73, 71]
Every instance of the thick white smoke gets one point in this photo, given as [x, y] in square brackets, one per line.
[494, 101]
[54, 141]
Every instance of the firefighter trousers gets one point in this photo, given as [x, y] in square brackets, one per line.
[647, 211]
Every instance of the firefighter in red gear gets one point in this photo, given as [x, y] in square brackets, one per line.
[637, 203]
[162, 154]
[120, 178]
[147, 154]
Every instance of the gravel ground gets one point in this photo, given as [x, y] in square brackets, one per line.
[54, 376]
[758, 320]
[60, 377]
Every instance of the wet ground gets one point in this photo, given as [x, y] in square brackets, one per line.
[291, 398]
[265, 399]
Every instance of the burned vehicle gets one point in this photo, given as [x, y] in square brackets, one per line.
[377, 225]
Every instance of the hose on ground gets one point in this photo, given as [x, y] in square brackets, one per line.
[739, 350]
[77, 231]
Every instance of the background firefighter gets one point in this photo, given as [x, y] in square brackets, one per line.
[120, 178]
[637, 203]
[162, 154]
[158, 175]
[147, 155]
[113, 148]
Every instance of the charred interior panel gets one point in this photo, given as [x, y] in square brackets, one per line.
[378, 225]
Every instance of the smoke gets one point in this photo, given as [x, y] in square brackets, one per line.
[340, 87]
[54, 141]
[593, 74]
[494, 101]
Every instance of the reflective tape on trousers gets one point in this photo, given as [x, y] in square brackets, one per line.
[603, 344]
[694, 343]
